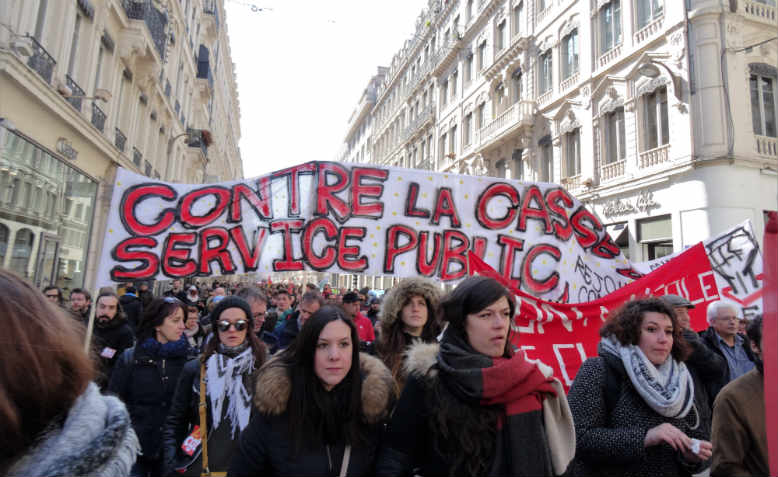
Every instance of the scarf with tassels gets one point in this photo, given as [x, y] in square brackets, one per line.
[668, 388]
[224, 376]
[513, 383]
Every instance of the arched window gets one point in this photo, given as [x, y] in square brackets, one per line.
[20, 256]
[3, 242]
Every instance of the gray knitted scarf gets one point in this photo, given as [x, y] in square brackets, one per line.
[667, 388]
[95, 439]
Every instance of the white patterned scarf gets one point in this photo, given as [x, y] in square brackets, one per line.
[668, 388]
[224, 382]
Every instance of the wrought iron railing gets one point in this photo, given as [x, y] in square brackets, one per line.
[98, 117]
[120, 140]
[204, 72]
[76, 91]
[137, 156]
[41, 61]
[155, 20]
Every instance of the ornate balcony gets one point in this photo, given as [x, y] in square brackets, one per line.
[544, 98]
[98, 117]
[653, 157]
[766, 146]
[120, 140]
[609, 56]
[519, 115]
[759, 11]
[155, 20]
[211, 18]
[41, 61]
[612, 170]
[572, 183]
[569, 81]
[420, 120]
[76, 91]
[647, 31]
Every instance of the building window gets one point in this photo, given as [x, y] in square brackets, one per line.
[542, 4]
[481, 56]
[443, 93]
[21, 252]
[469, 68]
[479, 117]
[545, 71]
[763, 105]
[467, 129]
[546, 166]
[518, 166]
[499, 36]
[40, 21]
[657, 129]
[454, 84]
[4, 233]
[452, 141]
[516, 85]
[502, 169]
[656, 237]
[573, 153]
[518, 14]
[469, 11]
[648, 10]
[570, 54]
[442, 148]
[74, 46]
[610, 25]
[615, 136]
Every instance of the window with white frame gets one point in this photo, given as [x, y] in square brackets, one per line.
[546, 166]
[647, 11]
[499, 36]
[570, 54]
[74, 47]
[573, 153]
[452, 141]
[656, 125]
[610, 25]
[467, 129]
[545, 68]
[615, 136]
[499, 94]
[442, 147]
[542, 4]
[468, 68]
[763, 105]
[479, 116]
[453, 82]
[518, 166]
[516, 85]
[518, 15]
[443, 93]
[481, 56]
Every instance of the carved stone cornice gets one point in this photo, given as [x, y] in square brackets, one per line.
[507, 56]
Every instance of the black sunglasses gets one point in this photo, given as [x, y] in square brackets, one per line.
[239, 325]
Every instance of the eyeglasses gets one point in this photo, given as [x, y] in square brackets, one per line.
[239, 325]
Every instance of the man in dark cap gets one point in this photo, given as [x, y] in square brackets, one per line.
[351, 303]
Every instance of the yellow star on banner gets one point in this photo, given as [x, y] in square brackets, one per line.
[118, 183]
[378, 227]
[445, 176]
[110, 231]
[402, 263]
[399, 178]
[429, 178]
[461, 181]
[396, 194]
[394, 213]
[490, 255]
[424, 194]
[372, 255]
[466, 196]
[375, 244]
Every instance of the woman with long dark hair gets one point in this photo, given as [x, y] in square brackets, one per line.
[145, 376]
[320, 405]
[472, 405]
[408, 315]
[221, 384]
[53, 419]
[635, 409]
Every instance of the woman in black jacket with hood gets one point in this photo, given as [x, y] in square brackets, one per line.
[320, 405]
[145, 377]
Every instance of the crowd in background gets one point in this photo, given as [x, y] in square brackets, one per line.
[292, 379]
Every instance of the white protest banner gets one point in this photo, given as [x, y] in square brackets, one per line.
[354, 218]
[737, 265]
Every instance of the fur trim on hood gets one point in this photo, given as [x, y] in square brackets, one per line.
[420, 358]
[394, 300]
[274, 387]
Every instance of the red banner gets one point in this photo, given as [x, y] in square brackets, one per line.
[564, 335]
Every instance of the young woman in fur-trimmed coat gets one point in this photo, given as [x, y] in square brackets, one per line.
[408, 315]
[472, 406]
[319, 405]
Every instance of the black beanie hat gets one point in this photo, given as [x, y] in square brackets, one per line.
[232, 302]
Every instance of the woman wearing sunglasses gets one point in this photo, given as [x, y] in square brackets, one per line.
[145, 376]
[198, 439]
[320, 405]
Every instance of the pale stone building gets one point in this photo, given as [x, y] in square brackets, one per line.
[658, 114]
[87, 86]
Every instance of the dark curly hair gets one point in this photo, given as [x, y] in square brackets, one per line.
[624, 323]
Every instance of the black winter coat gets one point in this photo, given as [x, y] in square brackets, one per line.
[108, 343]
[266, 446]
[609, 442]
[288, 331]
[146, 385]
[706, 367]
[710, 338]
[133, 308]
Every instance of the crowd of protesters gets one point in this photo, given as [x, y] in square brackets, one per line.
[285, 379]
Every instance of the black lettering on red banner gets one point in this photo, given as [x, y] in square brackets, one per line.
[293, 184]
[250, 257]
[330, 231]
[423, 266]
[326, 200]
[444, 205]
[510, 246]
[492, 191]
[558, 200]
[125, 252]
[217, 252]
[221, 197]
[534, 207]
[537, 284]
[348, 255]
[585, 225]
[136, 194]
[177, 262]
[287, 227]
[359, 191]
[260, 200]
[394, 247]
[410, 203]
[454, 254]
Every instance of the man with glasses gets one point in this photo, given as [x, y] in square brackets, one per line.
[309, 304]
[258, 302]
[53, 294]
[722, 338]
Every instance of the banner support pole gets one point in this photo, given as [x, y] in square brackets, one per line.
[91, 321]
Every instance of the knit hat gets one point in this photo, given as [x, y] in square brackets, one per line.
[232, 302]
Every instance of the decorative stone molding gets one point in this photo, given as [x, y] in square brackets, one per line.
[569, 27]
[762, 69]
[602, 3]
[651, 86]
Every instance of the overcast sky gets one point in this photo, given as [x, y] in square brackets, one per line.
[301, 69]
